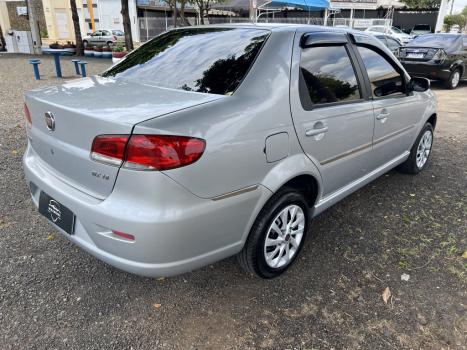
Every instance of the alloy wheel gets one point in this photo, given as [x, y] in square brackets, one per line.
[284, 236]
[424, 148]
[455, 79]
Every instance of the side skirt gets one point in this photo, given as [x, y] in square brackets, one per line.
[343, 192]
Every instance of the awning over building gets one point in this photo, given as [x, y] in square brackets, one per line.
[307, 5]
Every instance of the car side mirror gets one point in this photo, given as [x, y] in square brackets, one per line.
[419, 84]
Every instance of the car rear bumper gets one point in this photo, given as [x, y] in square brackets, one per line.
[426, 70]
[175, 231]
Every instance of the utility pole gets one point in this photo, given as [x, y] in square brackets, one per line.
[443, 8]
[91, 14]
[33, 24]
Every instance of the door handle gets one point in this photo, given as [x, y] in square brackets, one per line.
[383, 115]
[316, 131]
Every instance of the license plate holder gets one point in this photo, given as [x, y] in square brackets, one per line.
[57, 213]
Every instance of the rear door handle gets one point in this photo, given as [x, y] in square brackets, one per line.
[384, 114]
[313, 132]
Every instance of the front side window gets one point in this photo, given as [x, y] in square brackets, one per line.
[328, 75]
[209, 60]
[384, 79]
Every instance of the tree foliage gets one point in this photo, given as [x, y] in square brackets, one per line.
[451, 20]
[422, 3]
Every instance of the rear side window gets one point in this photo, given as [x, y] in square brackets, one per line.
[327, 76]
[210, 60]
[384, 79]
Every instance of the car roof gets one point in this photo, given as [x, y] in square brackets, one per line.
[285, 27]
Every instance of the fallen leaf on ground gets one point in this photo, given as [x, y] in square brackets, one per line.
[157, 306]
[386, 295]
[464, 255]
[50, 237]
[160, 279]
[14, 152]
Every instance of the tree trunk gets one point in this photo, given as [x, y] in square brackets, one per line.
[127, 26]
[182, 12]
[174, 14]
[201, 14]
[2, 40]
[75, 18]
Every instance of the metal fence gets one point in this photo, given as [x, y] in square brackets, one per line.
[149, 27]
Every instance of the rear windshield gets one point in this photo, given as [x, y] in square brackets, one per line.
[211, 60]
[435, 40]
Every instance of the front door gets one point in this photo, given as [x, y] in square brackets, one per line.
[332, 116]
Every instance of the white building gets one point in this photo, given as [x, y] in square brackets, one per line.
[107, 16]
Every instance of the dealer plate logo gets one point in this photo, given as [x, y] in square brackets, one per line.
[54, 210]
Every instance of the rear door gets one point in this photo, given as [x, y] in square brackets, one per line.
[396, 111]
[331, 111]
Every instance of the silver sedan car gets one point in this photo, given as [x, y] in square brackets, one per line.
[212, 141]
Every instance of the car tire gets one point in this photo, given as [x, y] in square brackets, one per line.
[420, 152]
[454, 78]
[85, 43]
[109, 43]
[268, 253]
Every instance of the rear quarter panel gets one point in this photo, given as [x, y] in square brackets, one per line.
[236, 127]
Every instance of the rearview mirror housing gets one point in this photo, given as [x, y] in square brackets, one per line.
[419, 84]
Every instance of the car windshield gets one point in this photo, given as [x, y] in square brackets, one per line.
[210, 60]
[397, 30]
[422, 27]
[435, 40]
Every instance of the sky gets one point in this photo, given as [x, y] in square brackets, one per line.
[459, 5]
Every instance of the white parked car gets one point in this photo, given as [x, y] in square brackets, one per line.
[393, 31]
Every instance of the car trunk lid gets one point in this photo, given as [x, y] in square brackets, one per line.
[94, 106]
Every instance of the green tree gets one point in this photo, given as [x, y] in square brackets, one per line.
[451, 20]
[422, 3]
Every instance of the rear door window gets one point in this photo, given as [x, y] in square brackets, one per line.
[385, 80]
[327, 76]
[209, 60]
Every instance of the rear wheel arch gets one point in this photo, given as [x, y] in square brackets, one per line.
[305, 184]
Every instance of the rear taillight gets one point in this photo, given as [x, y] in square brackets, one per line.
[27, 115]
[147, 152]
[109, 149]
[115, 38]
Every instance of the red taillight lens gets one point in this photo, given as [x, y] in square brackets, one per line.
[124, 235]
[109, 148]
[162, 152]
[27, 114]
[147, 152]
[115, 38]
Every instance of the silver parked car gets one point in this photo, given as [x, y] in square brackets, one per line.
[104, 37]
[211, 141]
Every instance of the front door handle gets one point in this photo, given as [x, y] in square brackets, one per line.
[316, 131]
